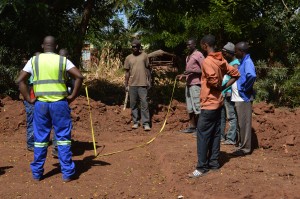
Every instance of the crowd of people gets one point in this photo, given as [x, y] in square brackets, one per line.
[221, 91]
[219, 87]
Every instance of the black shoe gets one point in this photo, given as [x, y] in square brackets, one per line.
[31, 149]
[189, 130]
[239, 153]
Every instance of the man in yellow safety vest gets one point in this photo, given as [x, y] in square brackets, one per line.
[51, 107]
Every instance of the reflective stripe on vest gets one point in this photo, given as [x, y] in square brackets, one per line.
[41, 144]
[67, 142]
[49, 71]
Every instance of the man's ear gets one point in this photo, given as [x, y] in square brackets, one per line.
[56, 47]
[42, 46]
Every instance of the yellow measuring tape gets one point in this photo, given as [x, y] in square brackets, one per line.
[143, 144]
[93, 136]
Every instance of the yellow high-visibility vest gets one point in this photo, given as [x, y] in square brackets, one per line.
[49, 77]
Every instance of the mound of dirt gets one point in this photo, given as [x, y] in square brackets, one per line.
[143, 165]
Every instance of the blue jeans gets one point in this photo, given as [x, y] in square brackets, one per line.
[208, 139]
[139, 94]
[228, 112]
[29, 108]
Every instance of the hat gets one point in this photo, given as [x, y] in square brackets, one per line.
[229, 47]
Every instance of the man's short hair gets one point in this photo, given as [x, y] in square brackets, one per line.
[209, 39]
[243, 46]
[192, 39]
[136, 42]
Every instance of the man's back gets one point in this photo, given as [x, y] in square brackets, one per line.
[214, 68]
[49, 77]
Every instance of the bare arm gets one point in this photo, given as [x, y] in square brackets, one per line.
[21, 81]
[127, 75]
[229, 83]
[75, 73]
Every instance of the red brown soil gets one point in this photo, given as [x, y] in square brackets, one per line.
[158, 170]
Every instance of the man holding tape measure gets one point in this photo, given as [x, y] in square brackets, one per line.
[192, 74]
[51, 106]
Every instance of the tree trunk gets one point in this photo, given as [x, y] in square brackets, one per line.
[82, 30]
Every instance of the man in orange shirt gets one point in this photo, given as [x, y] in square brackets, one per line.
[214, 67]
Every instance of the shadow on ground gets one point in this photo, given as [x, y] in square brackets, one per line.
[3, 169]
[81, 166]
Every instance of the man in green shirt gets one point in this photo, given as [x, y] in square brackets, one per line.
[137, 83]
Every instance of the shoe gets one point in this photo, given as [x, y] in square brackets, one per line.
[31, 149]
[135, 126]
[66, 180]
[227, 142]
[197, 174]
[147, 127]
[189, 130]
[214, 170]
[195, 134]
[37, 179]
[239, 153]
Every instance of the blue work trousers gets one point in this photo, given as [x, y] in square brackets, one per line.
[29, 108]
[46, 115]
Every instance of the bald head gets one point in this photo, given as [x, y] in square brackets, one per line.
[243, 46]
[241, 49]
[49, 44]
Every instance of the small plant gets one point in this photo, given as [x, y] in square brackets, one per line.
[278, 84]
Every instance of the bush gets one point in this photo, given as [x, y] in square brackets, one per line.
[9, 69]
[277, 84]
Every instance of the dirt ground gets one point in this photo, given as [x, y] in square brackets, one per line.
[158, 170]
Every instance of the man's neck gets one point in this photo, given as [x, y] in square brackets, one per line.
[192, 51]
[137, 53]
[210, 50]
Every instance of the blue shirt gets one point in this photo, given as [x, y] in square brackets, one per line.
[246, 81]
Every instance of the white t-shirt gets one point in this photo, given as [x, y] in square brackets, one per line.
[235, 96]
[28, 67]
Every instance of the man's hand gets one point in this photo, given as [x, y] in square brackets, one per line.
[21, 97]
[179, 77]
[186, 72]
[32, 101]
[70, 99]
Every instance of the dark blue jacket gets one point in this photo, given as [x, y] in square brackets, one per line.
[247, 78]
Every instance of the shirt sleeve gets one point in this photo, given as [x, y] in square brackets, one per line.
[210, 74]
[250, 76]
[28, 67]
[69, 65]
[231, 71]
[200, 59]
[126, 64]
[147, 61]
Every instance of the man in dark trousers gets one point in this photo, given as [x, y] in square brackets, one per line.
[214, 67]
[242, 96]
[51, 106]
[137, 82]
